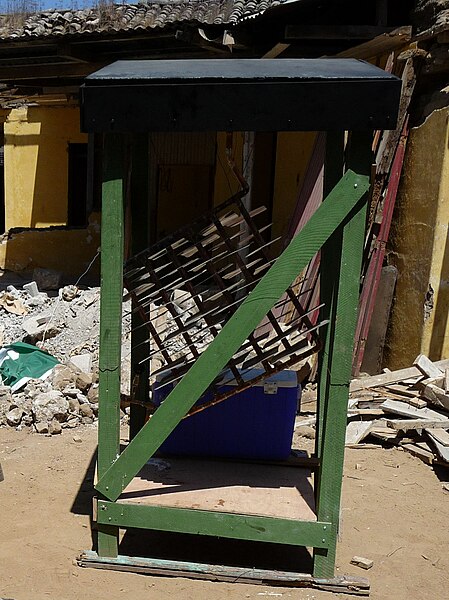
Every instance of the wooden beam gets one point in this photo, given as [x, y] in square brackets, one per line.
[276, 50]
[65, 70]
[381, 44]
[335, 32]
[406, 424]
[391, 377]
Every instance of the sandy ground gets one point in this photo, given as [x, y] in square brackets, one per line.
[394, 512]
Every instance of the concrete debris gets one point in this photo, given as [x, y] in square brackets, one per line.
[41, 427]
[31, 288]
[50, 405]
[54, 427]
[81, 363]
[84, 381]
[14, 417]
[70, 319]
[362, 562]
[40, 326]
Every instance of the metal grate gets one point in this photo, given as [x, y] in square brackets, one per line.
[188, 285]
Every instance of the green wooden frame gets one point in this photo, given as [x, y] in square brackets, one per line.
[337, 228]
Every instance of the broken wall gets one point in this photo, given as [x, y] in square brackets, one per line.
[419, 247]
[36, 164]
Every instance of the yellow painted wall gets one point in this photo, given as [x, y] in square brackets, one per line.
[36, 164]
[292, 157]
[420, 248]
[66, 250]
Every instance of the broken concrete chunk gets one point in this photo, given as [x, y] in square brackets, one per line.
[50, 405]
[306, 431]
[54, 427]
[38, 300]
[84, 381]
[82, 399]
[36, 327]
[74, 406]
[41, 427]
[92, 394]
[86, 411]
[47, 279]
[32, 289]
[5, 407]
[81, 362]
[63, 377]
[14, 417]
[363, 563]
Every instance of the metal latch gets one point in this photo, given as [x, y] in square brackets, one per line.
[270, 387]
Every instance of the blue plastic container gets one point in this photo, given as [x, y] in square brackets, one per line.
[256, 423]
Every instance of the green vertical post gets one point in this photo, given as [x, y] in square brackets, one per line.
[110, 322]
[341, 343]
[140, 239]
[329, 274]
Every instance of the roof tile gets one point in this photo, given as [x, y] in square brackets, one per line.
[126, 17]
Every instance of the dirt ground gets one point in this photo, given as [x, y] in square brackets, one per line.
[394, 512]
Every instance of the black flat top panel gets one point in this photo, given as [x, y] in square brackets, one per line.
[239, 95]
[236, 71]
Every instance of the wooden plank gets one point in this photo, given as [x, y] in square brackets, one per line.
[442, 450]
[112, 241]
[329, 273]
[425, 455]
[406, 424]
[427, 367]
[379, 319]
[358, 431]
[403, 391]
[140, 239]
[441, 436]
[152, 566]
[381, 44]
[400, 408]
[226, 486]
[446, 380]
[262, 298]
[436, 395]
[392, 377]
[340, 362]
[216, 523]
[411, 400]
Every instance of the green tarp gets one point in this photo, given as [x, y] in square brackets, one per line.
[20, 362]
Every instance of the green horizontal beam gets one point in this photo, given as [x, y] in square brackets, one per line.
[345, 196]
[202, 522]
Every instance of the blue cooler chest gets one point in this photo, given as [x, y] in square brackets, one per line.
[256, 423]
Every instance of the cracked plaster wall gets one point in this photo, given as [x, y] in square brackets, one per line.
[419, 248]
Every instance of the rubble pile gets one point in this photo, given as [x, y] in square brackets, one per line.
[65, 323]
[408, 409]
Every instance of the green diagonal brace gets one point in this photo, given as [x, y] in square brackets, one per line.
[330, 215]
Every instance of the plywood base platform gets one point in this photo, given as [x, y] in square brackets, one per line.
[232, 487]
[344, 584]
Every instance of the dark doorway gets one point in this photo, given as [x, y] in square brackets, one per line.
[2, 179]
[77, 185]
